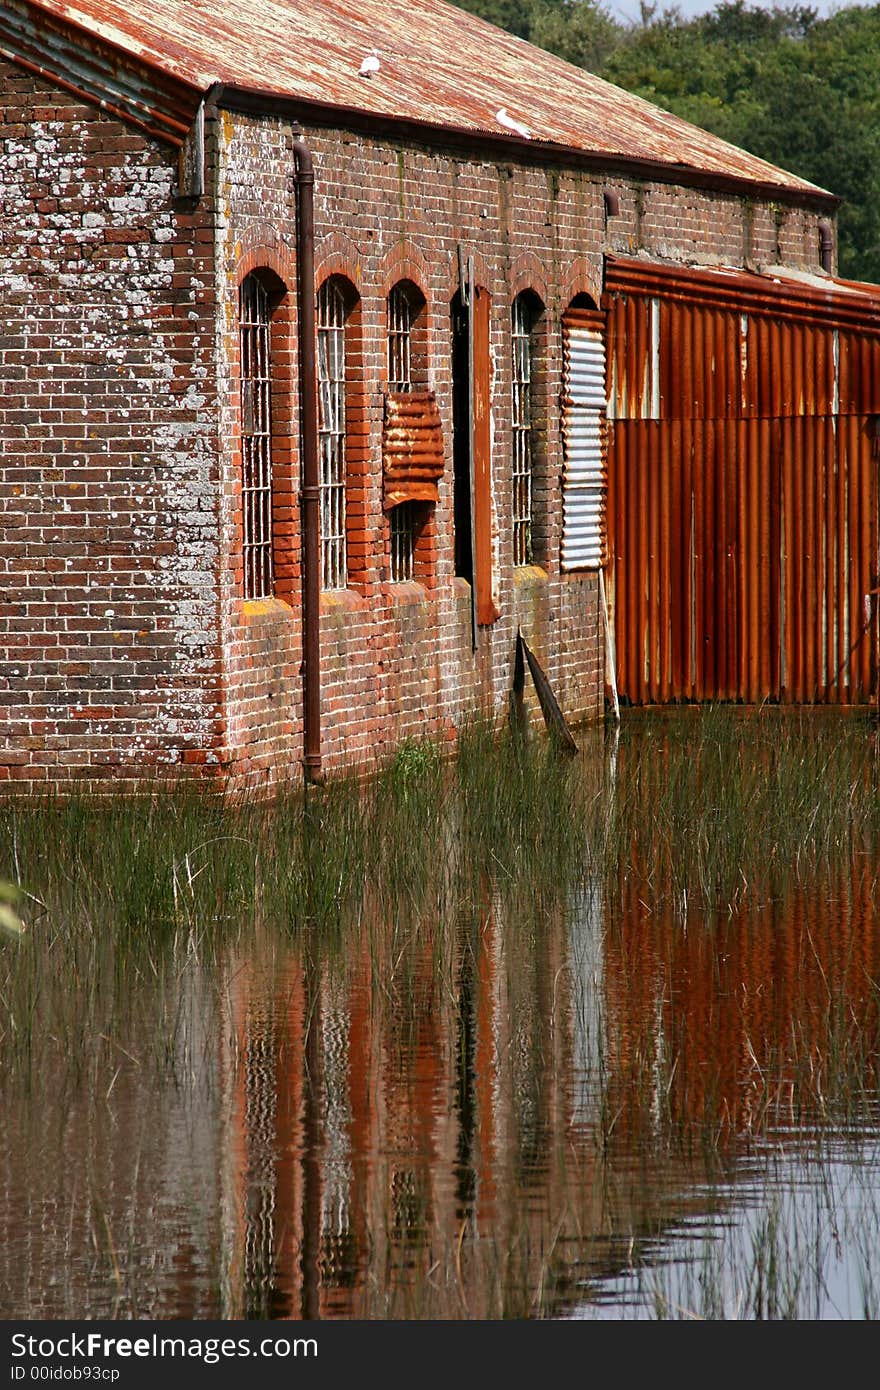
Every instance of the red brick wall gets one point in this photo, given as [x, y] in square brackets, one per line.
[109, 655]
[397, 659]
[126, 646]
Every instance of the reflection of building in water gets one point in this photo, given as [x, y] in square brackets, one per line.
[109, 1205]
[739, 1019]
[470, 1124]
[450, 1123]
[261, 1141]
[586, 938]
[375, 1135]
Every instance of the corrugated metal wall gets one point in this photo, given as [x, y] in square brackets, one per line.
[742, 488]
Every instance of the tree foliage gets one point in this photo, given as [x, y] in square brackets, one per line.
[800, 91]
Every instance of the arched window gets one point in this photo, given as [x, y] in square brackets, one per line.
[407, 347]
[528, 430]
[256, 437]
[332, 313]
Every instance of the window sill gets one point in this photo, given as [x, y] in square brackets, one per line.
[342, 601]
[259, 610]
[530, 576]
[406, 591]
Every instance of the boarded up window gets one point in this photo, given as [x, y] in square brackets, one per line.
[583, 436]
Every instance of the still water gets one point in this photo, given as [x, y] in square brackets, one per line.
[615, 1101]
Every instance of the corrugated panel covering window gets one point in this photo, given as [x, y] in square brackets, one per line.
[583, 438]
[412, 448]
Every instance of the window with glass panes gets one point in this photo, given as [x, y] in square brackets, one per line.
[331, 432]
[256, 438]
[521, 430]
[401, 316]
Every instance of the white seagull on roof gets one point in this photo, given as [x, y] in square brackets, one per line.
[502, 118]
[370, 65]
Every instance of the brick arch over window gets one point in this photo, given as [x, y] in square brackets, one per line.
[584, 277]
[531, 488]
[483, 273]
[265, 559]
[343, 435]
[403, 262]
[337, 254]
[527, 274]
[262, 249]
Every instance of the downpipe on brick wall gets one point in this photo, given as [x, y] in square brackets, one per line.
[310, 491]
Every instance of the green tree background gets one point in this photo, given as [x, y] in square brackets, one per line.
[798, 90]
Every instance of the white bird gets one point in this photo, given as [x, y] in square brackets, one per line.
[370, 65]
[503, 119]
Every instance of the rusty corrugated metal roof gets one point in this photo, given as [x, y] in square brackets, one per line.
[438, 66]
[772, 289]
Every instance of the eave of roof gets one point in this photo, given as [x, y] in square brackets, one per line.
[775, 290]
[441, 69]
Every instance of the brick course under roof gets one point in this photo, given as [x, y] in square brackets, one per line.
[438, 66]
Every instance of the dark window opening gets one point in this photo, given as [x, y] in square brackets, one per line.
[461, 441]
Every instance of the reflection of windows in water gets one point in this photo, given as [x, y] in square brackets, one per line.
[338, 1257]
[340, 1260]
[409, 1208]
[531, 1123]
[260, 1136]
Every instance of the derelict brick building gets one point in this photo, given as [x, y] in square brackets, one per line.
[303, 364]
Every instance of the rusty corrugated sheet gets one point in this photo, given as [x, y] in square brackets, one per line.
[412, 448]
[742, 512]
[583, 439]
[439, 66]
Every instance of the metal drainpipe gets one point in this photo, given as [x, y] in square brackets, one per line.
[310, 492]
[826, 246]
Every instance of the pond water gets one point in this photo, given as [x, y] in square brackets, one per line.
[639, 1080]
